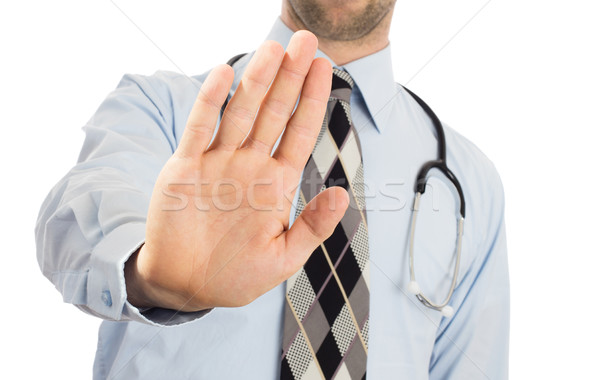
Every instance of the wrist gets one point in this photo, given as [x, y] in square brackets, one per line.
[135, 284]
[144, 293]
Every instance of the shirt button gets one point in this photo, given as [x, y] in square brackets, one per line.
[106, 298]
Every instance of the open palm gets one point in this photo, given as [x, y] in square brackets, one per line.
[217, 228]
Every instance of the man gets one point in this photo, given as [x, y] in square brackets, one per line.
[165, 222]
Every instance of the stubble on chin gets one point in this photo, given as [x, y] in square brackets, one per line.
[335, 23]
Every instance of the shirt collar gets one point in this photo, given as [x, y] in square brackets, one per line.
[373, 75]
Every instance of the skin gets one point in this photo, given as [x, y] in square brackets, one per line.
[217, 231]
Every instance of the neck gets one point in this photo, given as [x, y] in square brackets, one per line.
[342, 52]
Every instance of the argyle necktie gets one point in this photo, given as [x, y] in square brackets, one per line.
[326, 323]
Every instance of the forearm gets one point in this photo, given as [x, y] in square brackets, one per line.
[94, 218]
[89, 225]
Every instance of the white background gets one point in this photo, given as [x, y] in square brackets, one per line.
[521, 80]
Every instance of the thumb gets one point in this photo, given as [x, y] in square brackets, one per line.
[315, 224]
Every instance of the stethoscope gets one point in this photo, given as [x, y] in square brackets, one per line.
[420, 186]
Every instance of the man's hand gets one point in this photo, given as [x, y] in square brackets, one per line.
[217, 228]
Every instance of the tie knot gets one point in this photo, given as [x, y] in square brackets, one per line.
[341, 85]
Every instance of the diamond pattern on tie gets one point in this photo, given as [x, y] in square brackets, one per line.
[360, 246]
[358, 184]
[302, 357]
[328, 299]
[365, 331]
[343, 330]
[302, 293]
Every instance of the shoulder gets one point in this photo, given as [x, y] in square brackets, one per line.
[474, 170]
[482, 187]
[471, 164]
[170, 94]
[164, 79]
[164, 85]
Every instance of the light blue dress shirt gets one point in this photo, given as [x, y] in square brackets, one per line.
[93, 220]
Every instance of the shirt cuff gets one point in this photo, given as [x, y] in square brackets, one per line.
[106, 291]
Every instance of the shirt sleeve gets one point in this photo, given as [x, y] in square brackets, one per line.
[473, 344]
[94, 218]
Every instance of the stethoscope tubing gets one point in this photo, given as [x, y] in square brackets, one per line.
[420, 187]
